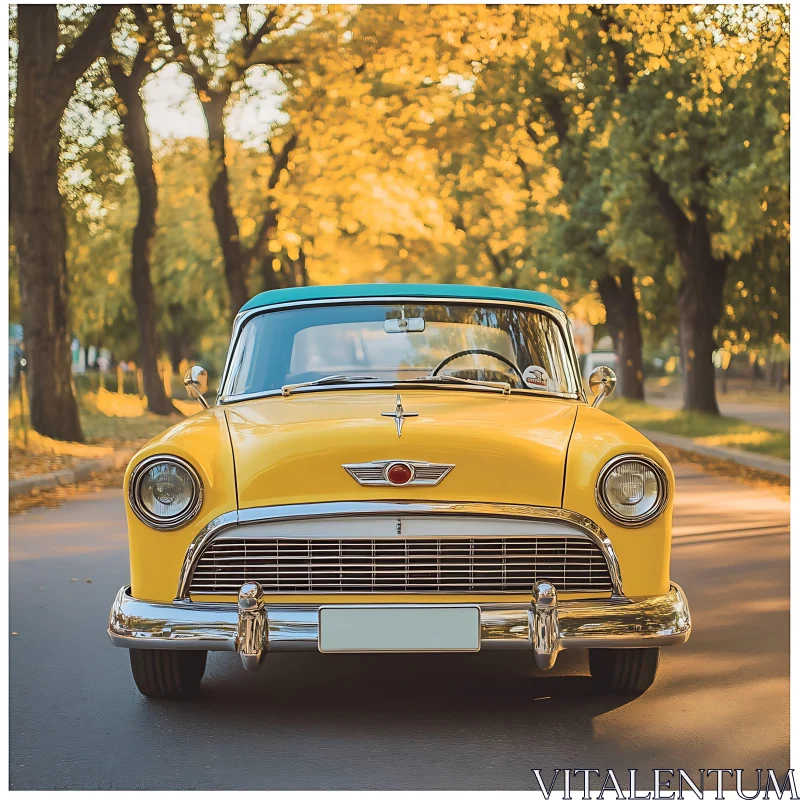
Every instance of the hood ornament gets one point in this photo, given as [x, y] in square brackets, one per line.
[399, 415]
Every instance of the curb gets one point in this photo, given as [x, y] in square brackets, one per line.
[77, 474]
[780, 466]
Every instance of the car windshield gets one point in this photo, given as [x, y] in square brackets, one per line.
[396, 342]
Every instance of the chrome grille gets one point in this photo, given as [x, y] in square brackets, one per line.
[420, 565]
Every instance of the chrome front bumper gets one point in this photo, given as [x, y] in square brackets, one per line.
[545, 626]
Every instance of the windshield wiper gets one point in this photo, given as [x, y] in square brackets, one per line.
[290, 387]
[500, 386]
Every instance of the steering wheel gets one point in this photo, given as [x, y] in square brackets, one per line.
[498, 356]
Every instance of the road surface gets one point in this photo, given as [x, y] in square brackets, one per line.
[479, 721]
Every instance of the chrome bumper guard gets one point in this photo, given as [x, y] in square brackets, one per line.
[252, 628]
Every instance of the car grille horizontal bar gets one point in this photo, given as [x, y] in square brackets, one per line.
[454, 565]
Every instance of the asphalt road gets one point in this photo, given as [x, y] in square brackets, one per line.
[479, 721]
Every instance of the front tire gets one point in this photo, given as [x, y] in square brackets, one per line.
[167, 673]
[624, 671]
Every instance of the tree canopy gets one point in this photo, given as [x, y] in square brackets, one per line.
[632, 159]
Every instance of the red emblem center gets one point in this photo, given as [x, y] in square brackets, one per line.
[399, 474]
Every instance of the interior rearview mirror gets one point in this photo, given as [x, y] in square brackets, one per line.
[404, 325]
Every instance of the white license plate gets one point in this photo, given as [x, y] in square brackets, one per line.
[398, 629]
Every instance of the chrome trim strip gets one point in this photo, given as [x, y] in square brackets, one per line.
[383, 466]
[650, 622]
[397, 386]
[605, 506]
[267, 514]
[389, 531]
[558, 316]
[167, 524]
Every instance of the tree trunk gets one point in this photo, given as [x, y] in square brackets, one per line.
[40, 231]
[220, 199]
[758, 373]
[622, 318]
[136, 136]
[177, 349]
[699, 296]
[301, 272]
[699, 308]
[261, 255]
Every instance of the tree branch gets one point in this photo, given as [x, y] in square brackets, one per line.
[270, 221]
[265, 232]
[554, 106]
[264, 61]
[672, 211]
[142, 20]
[524, 169]
[252, 42]
[281, 161]
[617, 51]
[86, 48]
[118, 77]
[181, 53]
[532, 134]
[244, 18]
[141, 63]
[496, 265]
[123, 83]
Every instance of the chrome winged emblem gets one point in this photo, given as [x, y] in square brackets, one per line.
[399, 415]
[398, 473]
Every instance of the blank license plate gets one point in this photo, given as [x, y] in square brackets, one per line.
[398, 629]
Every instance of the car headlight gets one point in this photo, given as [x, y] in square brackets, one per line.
[632, 490]
[165, 492]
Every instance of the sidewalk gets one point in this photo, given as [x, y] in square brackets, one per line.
[764, 463]
[759, 406]
[82, 471]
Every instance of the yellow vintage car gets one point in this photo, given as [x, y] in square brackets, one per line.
[399, 468]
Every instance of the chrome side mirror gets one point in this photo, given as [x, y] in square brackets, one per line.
[602, 382]
[196, 382]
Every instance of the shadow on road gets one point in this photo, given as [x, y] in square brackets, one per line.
[420, 684]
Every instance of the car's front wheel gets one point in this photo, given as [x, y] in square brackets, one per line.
[167, 673]
[624, 671]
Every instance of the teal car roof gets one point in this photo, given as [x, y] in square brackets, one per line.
[357, 290]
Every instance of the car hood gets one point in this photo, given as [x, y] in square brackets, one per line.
[504, 448]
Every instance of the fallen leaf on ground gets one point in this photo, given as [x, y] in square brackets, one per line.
[53, 498]
[729, 469]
